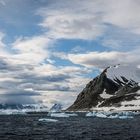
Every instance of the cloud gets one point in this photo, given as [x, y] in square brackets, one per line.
[9, 99]
[123, 14]
[2, 2]
[116, 25]
[120, 39]
[28, 66]
[1, 40]
[31, 50]
[104, 59]
[28, 79]
[65, 20]
[20, 93]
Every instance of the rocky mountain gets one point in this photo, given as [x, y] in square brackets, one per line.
[22, 106]
[11, 106]
[109, 89]
[56, 108]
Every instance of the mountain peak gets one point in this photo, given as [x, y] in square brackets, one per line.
[112, 87]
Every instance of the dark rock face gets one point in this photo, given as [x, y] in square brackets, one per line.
[119, 90]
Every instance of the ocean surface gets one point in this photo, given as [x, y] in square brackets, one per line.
[28, 127]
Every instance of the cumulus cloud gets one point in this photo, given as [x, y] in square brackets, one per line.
[65, 20]
[30, 50]
[104, 59]
[89, 19]
[28, 66]
[101, 60]
[29, 79]
[123, 14]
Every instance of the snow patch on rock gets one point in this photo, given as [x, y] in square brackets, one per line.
[104, 95]
[56, 108]
[118, 71]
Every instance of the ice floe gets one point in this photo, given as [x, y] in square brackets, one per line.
[113, 115]
[126, 117]
[47, 120]
[101, 115]
[96, 114]
[61, 114]
[12, 112]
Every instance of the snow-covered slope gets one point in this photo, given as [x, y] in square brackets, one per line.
[123, 71]
[22, 108]
[117, 87]
[56, 108]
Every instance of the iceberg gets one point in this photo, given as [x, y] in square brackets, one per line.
[101, 115]
[91, 114]
[59, 115]
[113, 115]
[11, 112]
[72, 114]
[47, 120]
[96, 114]
[125, 117]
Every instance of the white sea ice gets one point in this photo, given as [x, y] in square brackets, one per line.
[101, 115]
[57, 114]
[11, 112]
[91, 114]
[72, 114]
[113, 115]
[126, 117]
[96, 114]
[47, 120]
[53, 114]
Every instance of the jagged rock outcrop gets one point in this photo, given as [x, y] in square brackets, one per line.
[104, 91]
[56, 108]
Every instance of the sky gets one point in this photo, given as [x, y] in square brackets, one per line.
[50, 49]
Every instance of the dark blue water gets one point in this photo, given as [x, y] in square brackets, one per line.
[27, 127]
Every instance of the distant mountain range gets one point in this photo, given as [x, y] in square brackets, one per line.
[20, 106]
[57, 107]
[109, 89]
